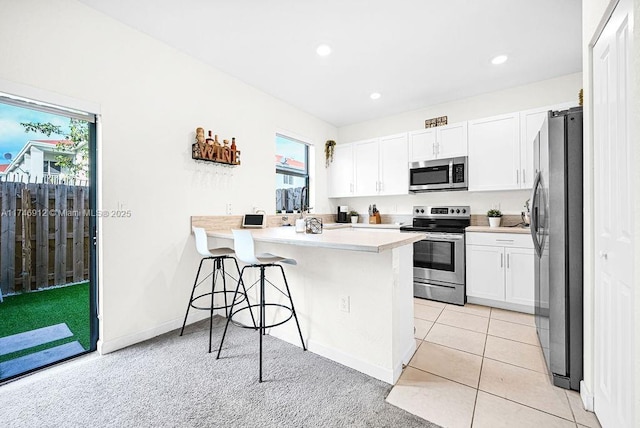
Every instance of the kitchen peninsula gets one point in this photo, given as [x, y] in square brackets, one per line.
[352, 288]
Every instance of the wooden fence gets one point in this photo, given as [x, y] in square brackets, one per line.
[44, 235]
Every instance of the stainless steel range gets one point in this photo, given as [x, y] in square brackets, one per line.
[438, 259]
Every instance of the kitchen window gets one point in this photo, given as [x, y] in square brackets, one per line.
[292, 173]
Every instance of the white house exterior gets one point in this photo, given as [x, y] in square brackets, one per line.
[36, 162]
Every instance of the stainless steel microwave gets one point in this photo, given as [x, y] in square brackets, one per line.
[438, 174]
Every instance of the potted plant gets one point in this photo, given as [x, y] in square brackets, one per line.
[495, 216]
[354, 216]
[329, 147]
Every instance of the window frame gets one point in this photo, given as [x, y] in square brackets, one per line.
[289, 172]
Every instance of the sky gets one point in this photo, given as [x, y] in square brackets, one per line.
[289, 149]
[12, 135]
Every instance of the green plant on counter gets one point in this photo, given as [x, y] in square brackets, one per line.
[494, 213]
[353, 214]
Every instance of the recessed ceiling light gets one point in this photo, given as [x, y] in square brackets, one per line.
[500, 59]
[375, 95]
[323, 50]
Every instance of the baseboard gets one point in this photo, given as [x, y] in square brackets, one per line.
[106, 347]
[397, 370]
[385, 375]
[501, 305]
[586, 396]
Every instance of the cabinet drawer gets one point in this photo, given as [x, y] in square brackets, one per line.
[500, 239]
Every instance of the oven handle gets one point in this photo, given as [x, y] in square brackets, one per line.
[442, 237]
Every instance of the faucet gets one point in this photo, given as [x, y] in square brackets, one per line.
[304, 194]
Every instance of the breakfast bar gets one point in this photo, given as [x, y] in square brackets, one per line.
[352, 289]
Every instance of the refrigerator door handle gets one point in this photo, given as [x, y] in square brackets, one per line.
[534, 214]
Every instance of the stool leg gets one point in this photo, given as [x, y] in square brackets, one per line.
[195, 283]
[262, 318]
[246, 295]
[233, 302]
[224, 286]
[214, 273]
[295, 317]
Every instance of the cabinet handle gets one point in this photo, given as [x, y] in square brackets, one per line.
[380, 186]
[433, 149]
[501, 260]
[507, 261]
[517, 176]
[524, 177]
[351, 187]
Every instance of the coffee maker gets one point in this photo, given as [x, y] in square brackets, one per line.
[343, 214]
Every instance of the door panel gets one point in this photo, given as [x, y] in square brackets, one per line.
[366, 167]
[519, 280]
[341, 171]
[614, 247]
[394, 173]
[452, 140]
[422, 145]
[485, 272]
[494, 153]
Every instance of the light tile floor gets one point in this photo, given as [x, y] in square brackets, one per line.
[482, 367]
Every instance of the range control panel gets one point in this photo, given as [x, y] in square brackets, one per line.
[442, 211]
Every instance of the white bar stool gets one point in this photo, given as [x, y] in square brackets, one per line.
[245, 251]
[218, 255]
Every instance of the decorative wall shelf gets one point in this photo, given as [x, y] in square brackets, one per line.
[210, 150]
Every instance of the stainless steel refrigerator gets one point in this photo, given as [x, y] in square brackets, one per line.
[556, 228]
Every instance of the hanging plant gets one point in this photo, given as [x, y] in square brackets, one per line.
[328, 151]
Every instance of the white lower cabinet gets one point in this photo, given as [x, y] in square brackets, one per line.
[500, 270]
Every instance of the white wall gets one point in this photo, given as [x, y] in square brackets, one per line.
[594, 16]
[36, 169]
[549, 92]
[151, 98]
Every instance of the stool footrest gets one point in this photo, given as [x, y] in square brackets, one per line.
[241, 299]
[239, 324]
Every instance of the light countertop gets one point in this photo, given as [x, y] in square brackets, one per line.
[353, 239]
[487, 229]
[361, 226]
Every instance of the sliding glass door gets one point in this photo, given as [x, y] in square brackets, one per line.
[48, 283]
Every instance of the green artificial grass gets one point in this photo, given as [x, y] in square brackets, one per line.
[29, 311]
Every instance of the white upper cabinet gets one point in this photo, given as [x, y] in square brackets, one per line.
[366, 167]
[494, 153]
[422, 145]
[378, 166]
[393, 169]
[439, 142]
[530, 123]
[500, 150]
[452, 140]
[340, 172]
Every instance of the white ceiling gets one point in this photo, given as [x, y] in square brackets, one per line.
[416, 53]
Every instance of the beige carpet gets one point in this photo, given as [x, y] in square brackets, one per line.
[172, 381]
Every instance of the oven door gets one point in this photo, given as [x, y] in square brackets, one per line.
[439, 258]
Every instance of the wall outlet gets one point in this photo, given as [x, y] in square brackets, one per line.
[228, 208]
[344, 304]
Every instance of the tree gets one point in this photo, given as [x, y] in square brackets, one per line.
[77, 139]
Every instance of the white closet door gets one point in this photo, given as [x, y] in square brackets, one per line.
[614, 245]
